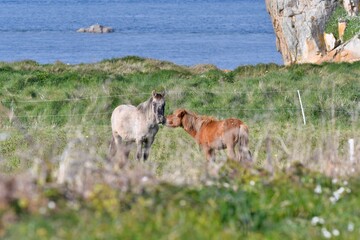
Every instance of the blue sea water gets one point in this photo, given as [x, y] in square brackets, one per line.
[227, 33]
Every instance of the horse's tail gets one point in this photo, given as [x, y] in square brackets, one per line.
[244, 152]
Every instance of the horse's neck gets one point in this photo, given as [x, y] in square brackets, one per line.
[190, 123]
[145, 109]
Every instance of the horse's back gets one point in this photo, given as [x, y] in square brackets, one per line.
[123, 112]
[233, 123]
[218, 133]
[211, 132]
[122, 119]
[217, 128]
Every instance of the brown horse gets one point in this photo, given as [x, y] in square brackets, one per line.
[211, 134]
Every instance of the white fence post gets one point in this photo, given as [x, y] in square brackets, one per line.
[351, 150]
[302, 109]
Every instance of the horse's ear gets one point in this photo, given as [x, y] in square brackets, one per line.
[163, 93]
[153, 93]
[181, 113]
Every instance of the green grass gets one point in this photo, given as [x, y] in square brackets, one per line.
[40, 92]
[65, 110]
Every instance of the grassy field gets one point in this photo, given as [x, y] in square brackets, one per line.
[303, 184]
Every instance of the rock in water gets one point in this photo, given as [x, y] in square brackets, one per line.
[97, 28]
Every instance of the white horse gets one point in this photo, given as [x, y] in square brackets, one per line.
[137, 124]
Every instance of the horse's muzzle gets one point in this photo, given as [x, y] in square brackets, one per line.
[162, 120]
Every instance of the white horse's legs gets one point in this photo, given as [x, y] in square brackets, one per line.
[118, 150]
[147, 146]
[143, 149]
[115, 144]
[139, 150]
[112, 147]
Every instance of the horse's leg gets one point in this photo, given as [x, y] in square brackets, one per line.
[209, 153]
[244, 152]
[244, 155]
[210, 158]
[146, 151]
[139, 150]
[115, 144]
[127, 149]
[230, 151]
[118, 152]
[112, 147]
[147, 146]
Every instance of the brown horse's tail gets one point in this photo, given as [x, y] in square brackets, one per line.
[244, 152]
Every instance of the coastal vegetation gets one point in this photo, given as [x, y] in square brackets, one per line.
[304, 183]
[352, 26]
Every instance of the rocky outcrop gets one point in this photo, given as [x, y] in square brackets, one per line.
[97, 28]
[299, 27]
[346, 52]
[330, 41]
[351, 7]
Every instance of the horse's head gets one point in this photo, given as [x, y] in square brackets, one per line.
[158, 106]
[175, 119]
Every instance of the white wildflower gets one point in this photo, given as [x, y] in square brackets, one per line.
[315, 220]
[333, 199]
[348, 190]
[182, 203]
[209, 183]
[334, 181]
[252, 183]
[326, 233]
[340, 190]
[318, 189]
[144, 179]
[51, 205]
[345, 183]
[226, 185]
[350, 227]
[335, 232]
[338, 193]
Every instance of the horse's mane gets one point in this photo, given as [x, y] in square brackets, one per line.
[145, 107]
[196, 121]
[208, 119]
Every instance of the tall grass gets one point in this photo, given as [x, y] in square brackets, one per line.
[67, 98]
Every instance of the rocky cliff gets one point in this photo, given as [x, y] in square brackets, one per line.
[299, 26]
